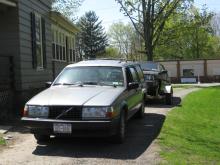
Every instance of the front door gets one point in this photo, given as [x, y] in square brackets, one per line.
[134, 99]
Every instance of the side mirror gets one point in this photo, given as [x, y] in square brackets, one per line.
[48, 84]
[164, 72]
[133, 85]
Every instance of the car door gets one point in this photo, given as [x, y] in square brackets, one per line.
[140, 75]
[134, 99]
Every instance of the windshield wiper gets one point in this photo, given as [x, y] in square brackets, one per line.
[90, 83]
[108, 84]
[64, 84]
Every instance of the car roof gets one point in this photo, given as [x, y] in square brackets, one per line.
[150, 62]
[111, 63]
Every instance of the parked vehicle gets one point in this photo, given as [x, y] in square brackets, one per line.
[157, 82]
[89, 98]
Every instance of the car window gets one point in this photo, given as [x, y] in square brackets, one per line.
[140, 73]
[162, 68]
[129, 76]
[149, 66]
[134, 74]
[91, 76]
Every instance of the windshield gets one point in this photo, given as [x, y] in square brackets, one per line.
[149, 66]
[110, 76]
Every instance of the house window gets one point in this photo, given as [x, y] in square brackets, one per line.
[59, 45]
[54, 43]
[38, 36]
[71, 50]
[39, 46]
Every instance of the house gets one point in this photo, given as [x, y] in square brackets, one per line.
[35, 45]
[63, 42]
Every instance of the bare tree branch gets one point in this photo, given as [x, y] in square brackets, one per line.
[127, 13]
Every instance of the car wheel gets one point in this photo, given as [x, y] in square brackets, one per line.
[42, 138]
[140, 113]
[120, 135]
[169, 98]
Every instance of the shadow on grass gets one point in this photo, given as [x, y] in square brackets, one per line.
[140, 134]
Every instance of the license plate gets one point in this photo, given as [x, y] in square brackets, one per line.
[62, 128]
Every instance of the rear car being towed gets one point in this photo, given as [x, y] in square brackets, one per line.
[90, 98]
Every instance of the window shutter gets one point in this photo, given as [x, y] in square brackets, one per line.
[33, 40]
[44, 42]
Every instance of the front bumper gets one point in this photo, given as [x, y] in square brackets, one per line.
[79, 128]
[151, 84]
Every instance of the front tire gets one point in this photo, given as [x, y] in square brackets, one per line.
[140, 113]
[119, 137]
[169, 98]
[42, 138]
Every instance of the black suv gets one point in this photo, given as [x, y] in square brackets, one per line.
[157, 81]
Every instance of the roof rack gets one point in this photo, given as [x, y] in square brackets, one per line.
[119, 59]
[116, 59]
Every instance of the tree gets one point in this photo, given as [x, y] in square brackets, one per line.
[67, 7]
[188, 35]
[216, 24]
[149, 18]
[125, 39]
[111, 52]
[92, 38]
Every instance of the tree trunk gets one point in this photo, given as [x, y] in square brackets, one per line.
[150, 53]
[197, 44]
[147, 30]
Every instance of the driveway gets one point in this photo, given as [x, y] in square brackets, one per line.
[140, 146]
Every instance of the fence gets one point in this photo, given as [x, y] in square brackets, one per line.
[202, 70]
[6, 87]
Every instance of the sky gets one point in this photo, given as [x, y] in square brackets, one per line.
[109, 11]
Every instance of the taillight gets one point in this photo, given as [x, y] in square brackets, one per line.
[25, 111]
[110, 115]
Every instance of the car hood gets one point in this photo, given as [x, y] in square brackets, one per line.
[87, 96]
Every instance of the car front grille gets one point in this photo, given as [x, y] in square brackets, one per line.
[74, 114]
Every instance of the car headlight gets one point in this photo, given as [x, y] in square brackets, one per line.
[149, 77]
[37, 111]
[96, 112]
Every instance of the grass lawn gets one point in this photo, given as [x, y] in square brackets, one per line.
[191, 133]
[2, 142]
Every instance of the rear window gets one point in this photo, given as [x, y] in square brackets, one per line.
[149, 66]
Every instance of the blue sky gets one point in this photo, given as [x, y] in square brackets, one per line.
[108, 10]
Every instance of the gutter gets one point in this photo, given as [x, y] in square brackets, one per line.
[8, 3]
